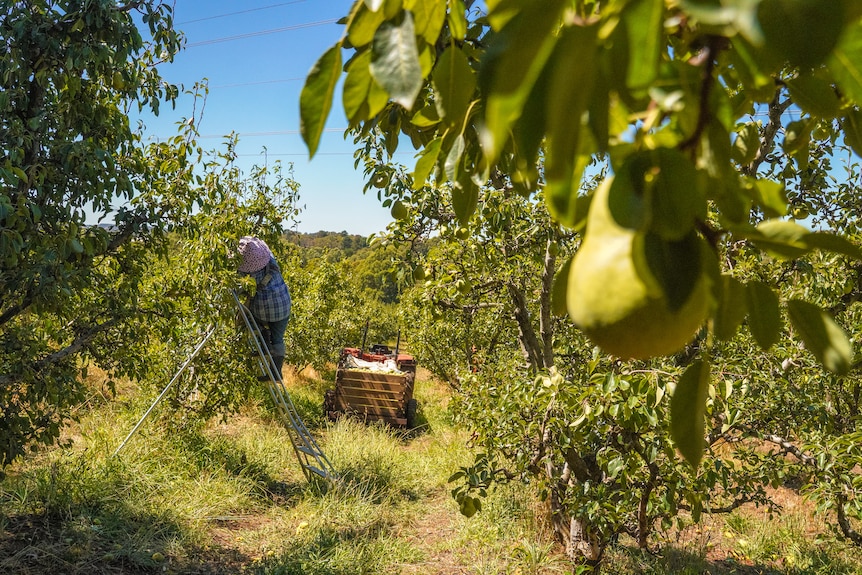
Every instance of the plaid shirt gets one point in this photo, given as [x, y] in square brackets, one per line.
[271, 301]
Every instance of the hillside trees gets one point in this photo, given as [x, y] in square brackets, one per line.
[717, 121]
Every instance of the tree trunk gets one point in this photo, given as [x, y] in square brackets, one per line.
[546, 322]
[582, 545]
[532, 347]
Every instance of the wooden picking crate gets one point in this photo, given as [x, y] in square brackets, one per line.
[374, 395]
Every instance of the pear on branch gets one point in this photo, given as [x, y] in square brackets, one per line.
[635, 292]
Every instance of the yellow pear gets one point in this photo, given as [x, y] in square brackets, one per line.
[617, 286]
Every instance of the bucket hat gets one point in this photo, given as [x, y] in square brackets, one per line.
[255, 254]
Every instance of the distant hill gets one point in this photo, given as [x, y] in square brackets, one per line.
[347, 243]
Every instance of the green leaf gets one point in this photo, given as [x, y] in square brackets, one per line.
[454, 82]
[746, 144]
[457, 19]
[846, 63]
[615, 466]
[19, 173]
[677, 265]
[500, 12]
[315, 101]
[363, 25]
[785, 239]
[528, 134]
[802, 32]
[686, 412]
[568, 96]
[465, 198]
[377, 98]
[452, 164]
[833, 243]
[643, 20]
[426, 117]
[678, 194]
[426, 162]
[512, 63]
[782, 238]
[771, 196]
[727, 16]
[560, 289]
[797, 138]
[395, 60]
[731, 308]
[764, 314]
[429, 16]
[599, 111]
[852, 125]
[814, 95]
[357, 83]
[822, 336]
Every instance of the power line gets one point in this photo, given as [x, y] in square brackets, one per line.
[258, 134]
[243, 84]
[240, 12]
[270, 154]
[261, 33]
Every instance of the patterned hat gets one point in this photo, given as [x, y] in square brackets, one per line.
[255, 254]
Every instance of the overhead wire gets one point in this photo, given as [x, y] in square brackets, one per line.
[261, 33]
[243, 84]
[280, 4]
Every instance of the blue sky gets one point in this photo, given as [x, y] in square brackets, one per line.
[255, 56]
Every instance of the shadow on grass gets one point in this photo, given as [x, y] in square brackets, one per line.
[90, 541]
[678, 561]
[206, 453]
[367, 549]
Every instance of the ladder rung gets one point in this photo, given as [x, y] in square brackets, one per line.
[319, 472]
[308, 451]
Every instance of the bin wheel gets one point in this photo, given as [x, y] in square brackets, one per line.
[329, 404]
[412, 407]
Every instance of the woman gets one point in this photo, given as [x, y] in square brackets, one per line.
[270, 305]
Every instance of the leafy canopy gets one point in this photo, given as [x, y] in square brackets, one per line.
[668, 92]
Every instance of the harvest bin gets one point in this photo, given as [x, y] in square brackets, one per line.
[375, 386]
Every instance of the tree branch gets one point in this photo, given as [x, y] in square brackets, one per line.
[787, 447]
[733, 505]
[526, 333]
[703, 116]
[77, 345]
[767, 142]
[844, 522]
[546, 326]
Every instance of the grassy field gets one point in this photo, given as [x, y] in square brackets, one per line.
[229, 497]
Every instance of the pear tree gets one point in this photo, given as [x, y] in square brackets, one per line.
[69, 157]
[715, 123]
[669, 93]
[113, 249]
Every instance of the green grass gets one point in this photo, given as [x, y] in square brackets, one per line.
[229, 496]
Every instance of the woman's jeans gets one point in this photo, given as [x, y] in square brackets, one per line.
[273, 335]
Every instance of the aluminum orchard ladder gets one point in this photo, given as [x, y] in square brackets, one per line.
[311, 458]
